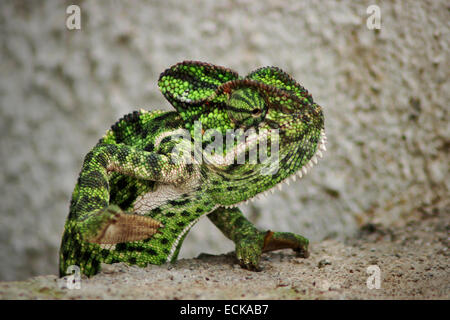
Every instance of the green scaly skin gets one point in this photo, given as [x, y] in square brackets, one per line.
[135, 199]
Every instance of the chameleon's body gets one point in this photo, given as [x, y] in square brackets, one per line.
[135, 199]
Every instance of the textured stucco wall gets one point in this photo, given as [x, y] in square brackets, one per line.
[385, 94]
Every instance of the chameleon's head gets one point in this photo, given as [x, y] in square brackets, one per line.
[271, 127]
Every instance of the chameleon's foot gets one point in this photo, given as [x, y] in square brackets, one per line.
[250, 248]
[286, 240]
[248, 252]
[112, 226]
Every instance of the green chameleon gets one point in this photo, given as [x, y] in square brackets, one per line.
[144, 185]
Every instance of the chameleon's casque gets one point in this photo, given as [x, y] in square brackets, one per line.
[144, 185]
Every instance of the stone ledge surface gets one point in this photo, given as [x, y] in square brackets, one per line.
[413, 260]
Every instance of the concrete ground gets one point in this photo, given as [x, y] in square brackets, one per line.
[413, 262]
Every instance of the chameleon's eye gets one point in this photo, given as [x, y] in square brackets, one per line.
[256, 112]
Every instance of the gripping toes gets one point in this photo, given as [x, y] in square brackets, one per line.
[249, 250]
[248, 253]
[286, 240]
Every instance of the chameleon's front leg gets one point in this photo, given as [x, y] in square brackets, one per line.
[251, 242]
[101, 222]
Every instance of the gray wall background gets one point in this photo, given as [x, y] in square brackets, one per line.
[385, 94]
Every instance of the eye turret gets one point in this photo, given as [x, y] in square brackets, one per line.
[246, 107]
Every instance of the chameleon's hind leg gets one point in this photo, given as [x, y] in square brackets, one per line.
[251, 242]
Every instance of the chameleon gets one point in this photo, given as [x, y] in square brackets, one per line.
[149, 179]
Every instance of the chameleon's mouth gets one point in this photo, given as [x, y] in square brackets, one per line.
[300, 173]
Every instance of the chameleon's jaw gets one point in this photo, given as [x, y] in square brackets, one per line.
[300, 173]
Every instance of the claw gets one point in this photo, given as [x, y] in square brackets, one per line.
[250, 266]
[301, 253]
